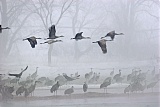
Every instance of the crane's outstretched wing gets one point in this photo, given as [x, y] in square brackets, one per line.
[52, 31]
[32, 43]
[25, 69]
[13, 75]
[112, 32]
[102, 44]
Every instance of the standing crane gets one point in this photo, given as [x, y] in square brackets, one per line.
[105, 85]
[55, 88]
[85, 87]
[32, 88]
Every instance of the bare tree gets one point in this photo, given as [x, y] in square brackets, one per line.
[128, 18]
[46, 10]
[79, 23]
[11, 15]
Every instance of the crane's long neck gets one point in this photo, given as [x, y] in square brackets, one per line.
[25, 39]
[119, 34]
[95, 42]
[86, 38]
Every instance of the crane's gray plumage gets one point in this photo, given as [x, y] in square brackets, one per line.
[127, 89]
[55, 87]
[69, 90]
[112, 35]
[20, 90]
[85, 87]
[102, 44]
[68, 78]
[32, 40]
[117, 75]
[105, 85]
[79, 36]
[52, 33]
[152, 84]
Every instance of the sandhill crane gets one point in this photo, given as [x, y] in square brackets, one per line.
[69, 91]
[112, 35]
[105, 85]
[32, 40]
[85, 87]
[127, 89]
[18, 75]
[102, 44]
[68, 78]
[107, 79]
[152, 85]
[32, 87]
[52, 33]
[79, 37]
[3, 28]
[112, 72]
[20, 90]
[61, 79]
[34, 75]
[51, 41]
[55, 88]
[117, 75]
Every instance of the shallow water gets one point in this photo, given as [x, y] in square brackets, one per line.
[151, 101]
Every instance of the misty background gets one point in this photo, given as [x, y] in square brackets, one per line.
[137, 19]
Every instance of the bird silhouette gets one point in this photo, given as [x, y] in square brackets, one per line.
[18, 75]
[79, 37]
[32, 87]
[112, 35]
[3, 28]
[85, 87]
[52, 33]
[117, 75]
[32, 40]
[102, 44]
[105, 85]
[55, 88]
